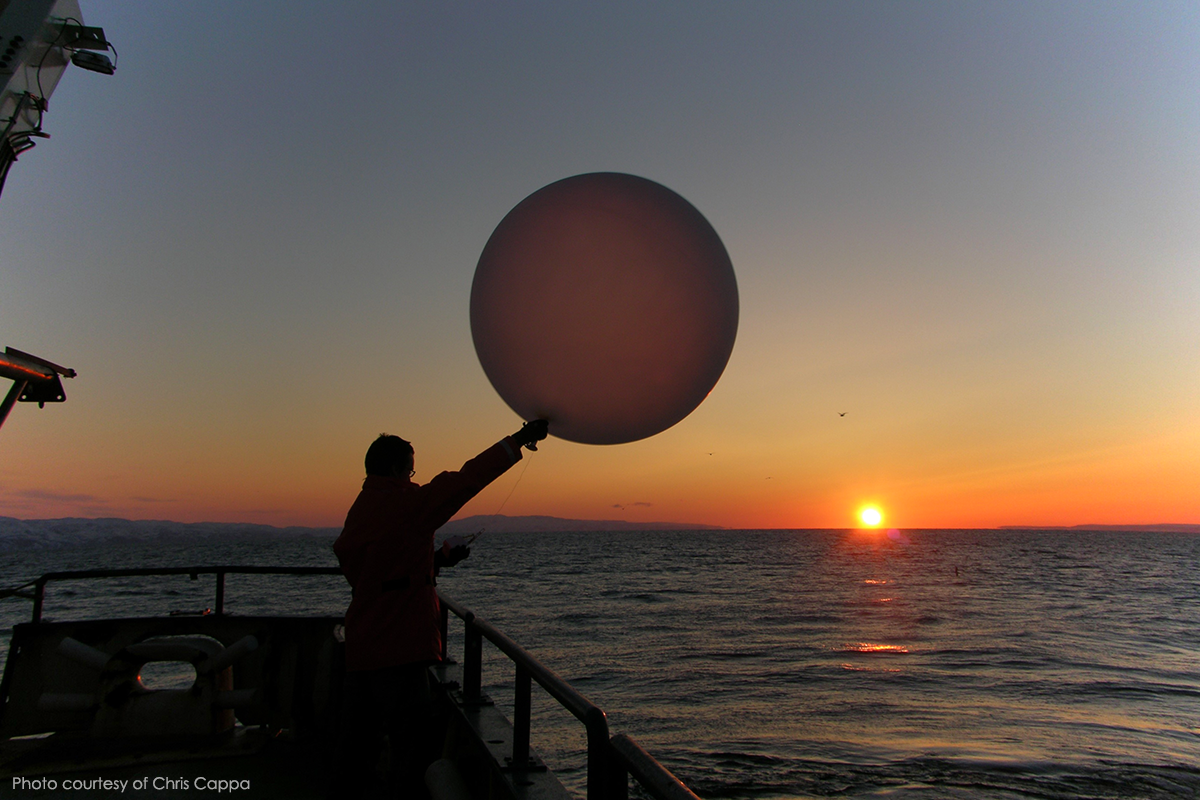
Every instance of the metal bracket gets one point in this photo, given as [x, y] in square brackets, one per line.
[35, 380]
[43, 392]
[531, 765]
[83, 37]
[483, 701]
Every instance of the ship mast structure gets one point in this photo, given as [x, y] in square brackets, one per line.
[38, 39]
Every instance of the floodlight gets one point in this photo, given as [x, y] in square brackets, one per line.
[93, 62]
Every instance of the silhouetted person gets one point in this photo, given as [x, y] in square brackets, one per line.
[393, 625]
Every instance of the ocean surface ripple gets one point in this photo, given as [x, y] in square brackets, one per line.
[784, 664]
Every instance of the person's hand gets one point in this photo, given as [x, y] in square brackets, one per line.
[452, 552]
[531, 433]
[457, 554]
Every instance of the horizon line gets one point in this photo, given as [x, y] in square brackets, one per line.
[677, 525]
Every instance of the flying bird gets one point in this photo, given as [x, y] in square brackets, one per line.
[841, 413]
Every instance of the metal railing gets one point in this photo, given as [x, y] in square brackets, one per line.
[610, 760]
[39, 586]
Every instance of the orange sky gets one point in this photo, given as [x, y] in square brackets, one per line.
[971, 228]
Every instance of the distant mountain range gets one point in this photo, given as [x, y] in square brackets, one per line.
[498, 523]
[41, 533]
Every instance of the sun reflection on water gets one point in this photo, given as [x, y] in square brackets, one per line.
[869, 647]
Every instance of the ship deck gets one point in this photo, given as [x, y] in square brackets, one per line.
[262, 716]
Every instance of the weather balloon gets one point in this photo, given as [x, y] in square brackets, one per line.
[605, 303]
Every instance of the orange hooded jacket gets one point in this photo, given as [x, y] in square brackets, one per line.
[386, 553]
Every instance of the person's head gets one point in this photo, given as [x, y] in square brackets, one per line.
[390, 456]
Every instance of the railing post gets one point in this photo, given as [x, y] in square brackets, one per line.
[472, 661]
[445, 625]
[598, 758]
[521, 718]
[220, 603]
[618, 779]
[39, 599]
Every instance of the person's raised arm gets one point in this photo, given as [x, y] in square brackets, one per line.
[443, 496]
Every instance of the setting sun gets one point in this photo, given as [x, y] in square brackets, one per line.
[871, 516]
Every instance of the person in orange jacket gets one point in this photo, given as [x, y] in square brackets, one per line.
[393, 624]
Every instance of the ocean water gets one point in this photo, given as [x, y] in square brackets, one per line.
[787, 664]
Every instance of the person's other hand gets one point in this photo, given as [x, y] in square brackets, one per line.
[453, 555]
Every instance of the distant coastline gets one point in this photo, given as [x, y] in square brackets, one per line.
[1165, 527]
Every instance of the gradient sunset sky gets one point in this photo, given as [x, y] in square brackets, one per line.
[973, 227]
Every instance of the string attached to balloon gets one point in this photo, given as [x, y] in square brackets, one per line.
[469, 539]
